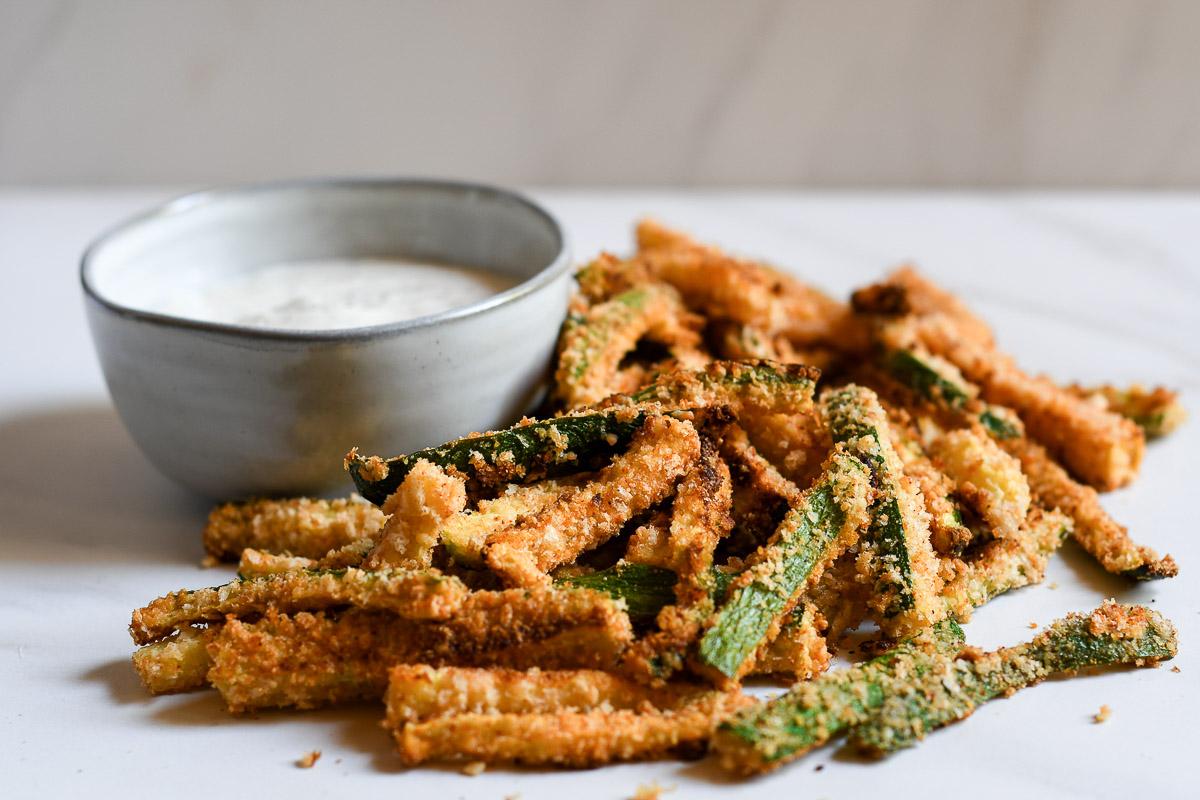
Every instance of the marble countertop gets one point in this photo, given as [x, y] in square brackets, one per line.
[1088, 287]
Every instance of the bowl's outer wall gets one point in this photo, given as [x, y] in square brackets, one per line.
[278, 417]
[232, 412]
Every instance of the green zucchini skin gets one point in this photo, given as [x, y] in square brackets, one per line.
[766, 736]
[922, 377]
[765, 385]
[904, 599]
[548, 448]
[801, 544]
[955, 689]
[645, 589]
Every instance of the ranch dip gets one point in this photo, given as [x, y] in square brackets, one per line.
[324, 294]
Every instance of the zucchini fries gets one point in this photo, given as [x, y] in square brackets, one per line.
[732, 470]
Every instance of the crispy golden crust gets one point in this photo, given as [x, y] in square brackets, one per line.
[418, 595]
[661, 450]
[566, 738]
[177, 664]
[300, 527]
[988, 479]
[699, 519]
[799, 651]
[417, 511]
[1101, 448]
[419, 692]
[1094, 529]
[308, 660]
[1004, 564]
[1158, 411]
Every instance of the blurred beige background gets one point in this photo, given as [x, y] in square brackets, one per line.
[673, 93]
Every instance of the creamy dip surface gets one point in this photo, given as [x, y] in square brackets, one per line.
[324, 294]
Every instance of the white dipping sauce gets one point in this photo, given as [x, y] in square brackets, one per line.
[323, 294]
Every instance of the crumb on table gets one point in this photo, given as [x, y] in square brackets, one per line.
[652, 792]
[1104, 713]
[474, 768]
[309, 759]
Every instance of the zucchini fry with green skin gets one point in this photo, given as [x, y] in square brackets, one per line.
[1094, 530]
[1101, 448]
[896, 556]
[567, 738]
[415, 595]
[465, 535]
[419, 692]
[769, 735]
[988, 479]
[1156, 411]
[1112, 634]
[822, 525]
[1004, 564]
[662, 450]
[300, 527]
[177, 664]
[417, 511]
[645, 589]
[590, 351]
[528, 451]
[309, 660]
[765, 387]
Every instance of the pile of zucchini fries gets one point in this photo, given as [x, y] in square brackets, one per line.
[731, 472]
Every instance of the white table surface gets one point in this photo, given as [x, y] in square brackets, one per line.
[1088, 287]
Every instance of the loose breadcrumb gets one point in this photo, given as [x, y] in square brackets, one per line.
[1104, 713]
[1032, 625]
[652, 792]
[474, 768]
[309, 758]
[1175, 669]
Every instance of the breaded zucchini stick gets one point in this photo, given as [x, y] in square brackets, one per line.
[896, 557]
[592, 346]
[988, 479]
[769, 735]
[1097, 532]
[1156, 411]
[419, 692]
[662, 450]
[308, 660]
[417, 511]
[567, 738]
[699, 520]
[1101, 448]
[1004, 564]
[951, 691]
[747, 387]
[176, 664]
[416, 595]
[301, 527]
[823, 524]
[798, 650]
[259, 563]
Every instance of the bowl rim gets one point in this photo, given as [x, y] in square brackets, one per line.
[560, 264]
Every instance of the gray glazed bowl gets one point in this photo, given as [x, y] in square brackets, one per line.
[232, 411]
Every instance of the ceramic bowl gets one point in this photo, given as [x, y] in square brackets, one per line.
[232, 411]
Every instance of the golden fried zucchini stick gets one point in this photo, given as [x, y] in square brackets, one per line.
[419, 692]
[308, 660]
[699, 519]
[416, 595]
[591, 347]
[567, 738]
[1156, 411]
[1101, 448]
[744, 291]
[417, 510]
[177, 664]
[798, 650]
[300, 527]
[465, 535]
[662, 450]
[988, 479]
[259, 563]
[1004, 564]
[1097, 532]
